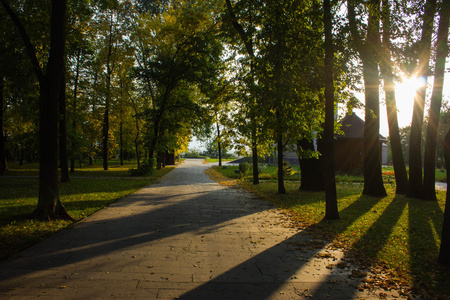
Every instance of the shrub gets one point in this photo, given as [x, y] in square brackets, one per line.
[287, 168]
[244, 168]
[145, 169]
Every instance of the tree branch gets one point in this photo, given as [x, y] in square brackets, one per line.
[26, 39]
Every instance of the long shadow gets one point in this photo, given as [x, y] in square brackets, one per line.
[241, 282]
[425, 223]
[257, 278]
[100, 236]
[377, 235]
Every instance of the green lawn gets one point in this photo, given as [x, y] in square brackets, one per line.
[399, 234]
[81, 197]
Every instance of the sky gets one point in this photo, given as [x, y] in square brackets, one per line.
[405, 101]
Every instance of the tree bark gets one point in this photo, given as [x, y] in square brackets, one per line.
[219, 146]
[429, 179]
[401, 176]
[415, 155]
[63, 163]
[310, 169]
[74, 113]
[444, 251]
[331, 208]
[281, 189]
[49, 204]
[373, 180]
[3, 160]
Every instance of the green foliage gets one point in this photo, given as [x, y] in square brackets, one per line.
[244, 168]
[145, 168]
[287, 168]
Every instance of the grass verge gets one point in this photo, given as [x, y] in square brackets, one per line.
[81, 197]
[397, 235]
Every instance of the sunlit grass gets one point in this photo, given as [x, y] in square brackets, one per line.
[81, 197]
[397, 233]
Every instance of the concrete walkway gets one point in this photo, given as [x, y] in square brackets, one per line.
[185, 237]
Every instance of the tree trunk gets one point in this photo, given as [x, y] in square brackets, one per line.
[401, 177]
[3, 161]
[331, 208]
[121, 142]
[429, 180]
[219, 146]
[63, 163]
[105, 136]
[415, 155]
[373, 180]
[281, 189]
[310, 169]
[444, 251]
[49, 204]
[74, 113]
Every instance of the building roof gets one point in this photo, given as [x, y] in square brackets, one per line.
[352, 126]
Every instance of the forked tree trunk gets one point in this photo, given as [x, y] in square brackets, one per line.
[49, 204]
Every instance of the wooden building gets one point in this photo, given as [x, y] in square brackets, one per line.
[349, 145]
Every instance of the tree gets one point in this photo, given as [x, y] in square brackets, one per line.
[50, 82]
[179, 59]
[247, 38]
[429, 185]
[373, 181]
[3, 161]
[444, 257]
[415, 155]
[331, 209]
[386, 68]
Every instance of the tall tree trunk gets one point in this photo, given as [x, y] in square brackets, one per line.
[415, 155]
[219, 145]
[3, 161]
[49, 204]
[281, 189]
[63, 163]
[310, 169]
[121, 142]
[429, 179]
[331, 208]
[401, 176]
[444, 251]
[74, 113]
[373, 180]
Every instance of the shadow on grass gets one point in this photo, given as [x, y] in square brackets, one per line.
[425, 226]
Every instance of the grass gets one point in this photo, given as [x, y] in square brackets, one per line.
[213, 160]
[396, 233]
[81, 197]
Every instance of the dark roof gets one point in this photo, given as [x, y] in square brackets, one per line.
[352, 126]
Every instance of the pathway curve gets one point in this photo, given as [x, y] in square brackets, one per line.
[185, 237]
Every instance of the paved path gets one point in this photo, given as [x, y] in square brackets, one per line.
[185, 237]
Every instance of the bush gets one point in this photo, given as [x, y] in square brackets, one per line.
[244, 168]
[145, 169]
[287, 168]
